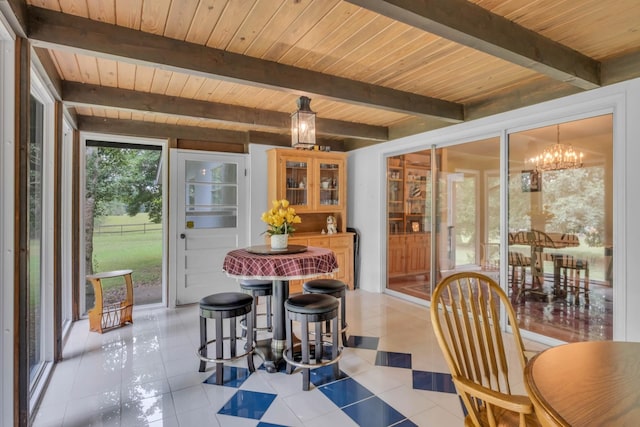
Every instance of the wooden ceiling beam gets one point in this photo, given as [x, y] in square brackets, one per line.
[622, 68]
[158, 130]
[266, 138]
[510, 99]
[74, 93]
[48, 71]
[471, 25]
[48, 28]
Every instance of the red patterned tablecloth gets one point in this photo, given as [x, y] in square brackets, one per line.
[241, 264]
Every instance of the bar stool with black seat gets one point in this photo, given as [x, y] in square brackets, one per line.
[225, 305]
[311, 309]
[257, 289]
[336, 289]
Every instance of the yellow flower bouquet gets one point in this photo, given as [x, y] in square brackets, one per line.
[280, 218]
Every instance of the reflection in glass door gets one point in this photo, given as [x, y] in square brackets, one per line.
[468, 213]
[561, 229]
[434, 234]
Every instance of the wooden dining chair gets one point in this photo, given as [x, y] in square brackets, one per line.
[519, 263]
[465, 310]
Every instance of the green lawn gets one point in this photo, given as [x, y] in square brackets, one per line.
[138, 251]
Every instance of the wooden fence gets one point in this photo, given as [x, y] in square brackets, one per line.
[126, 228]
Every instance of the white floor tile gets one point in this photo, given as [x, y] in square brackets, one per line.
[144, 411]
[437, 417]
[309, 404]
[280, 413]
[202, 417]
[189, 399]
[406, 400]
[335, 418]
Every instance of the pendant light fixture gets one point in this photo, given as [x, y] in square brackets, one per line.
[303, 125]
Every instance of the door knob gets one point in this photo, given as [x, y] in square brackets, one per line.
[182, 235]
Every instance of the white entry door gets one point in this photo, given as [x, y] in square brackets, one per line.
[210, 220]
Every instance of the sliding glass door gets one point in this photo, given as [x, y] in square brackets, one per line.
[438, 214]
[443, 216]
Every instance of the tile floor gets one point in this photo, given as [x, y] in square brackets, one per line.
[146, 374]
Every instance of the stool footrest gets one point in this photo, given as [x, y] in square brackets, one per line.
[223, 359]
[323, 362]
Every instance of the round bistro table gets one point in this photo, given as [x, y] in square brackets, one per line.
[587, 383]
[279, 266]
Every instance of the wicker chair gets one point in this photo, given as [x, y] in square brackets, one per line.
[465, 315]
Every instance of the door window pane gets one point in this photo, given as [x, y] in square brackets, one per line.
[211, 194]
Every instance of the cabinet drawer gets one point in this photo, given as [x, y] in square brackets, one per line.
[320, 242]
[298, 241]
[341, 242]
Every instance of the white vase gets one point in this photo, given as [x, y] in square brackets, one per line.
[279, 241]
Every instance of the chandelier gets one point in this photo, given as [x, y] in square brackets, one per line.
[303, 125]
[558, 156]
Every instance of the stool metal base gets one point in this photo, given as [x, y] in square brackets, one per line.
[314, 309]
[218, 307]
[336, 289]
[223, 359]
[270, 351]
[291, 360]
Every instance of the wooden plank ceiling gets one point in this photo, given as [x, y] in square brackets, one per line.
[232, 70]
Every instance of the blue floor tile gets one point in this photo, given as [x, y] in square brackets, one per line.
[345, 392]
[232, 377]
[261, 424]
[433, 381]
[406, 423]
[373, 412]
[248, 404]
[369, 343]
[394, 360]
[324, 375]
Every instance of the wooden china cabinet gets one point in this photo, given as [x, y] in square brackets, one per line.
[315, 183]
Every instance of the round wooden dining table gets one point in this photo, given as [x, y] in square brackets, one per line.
[586, 384]
[279, 266]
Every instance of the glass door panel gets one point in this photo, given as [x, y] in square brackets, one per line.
[468, 208]
[560, 230]
[35, 231]
[297, 173]
[459, 222]
[329, 184]
[409, 223]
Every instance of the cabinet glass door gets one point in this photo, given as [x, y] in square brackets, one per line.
[211, 194]
[297, 173]
[330, 191]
